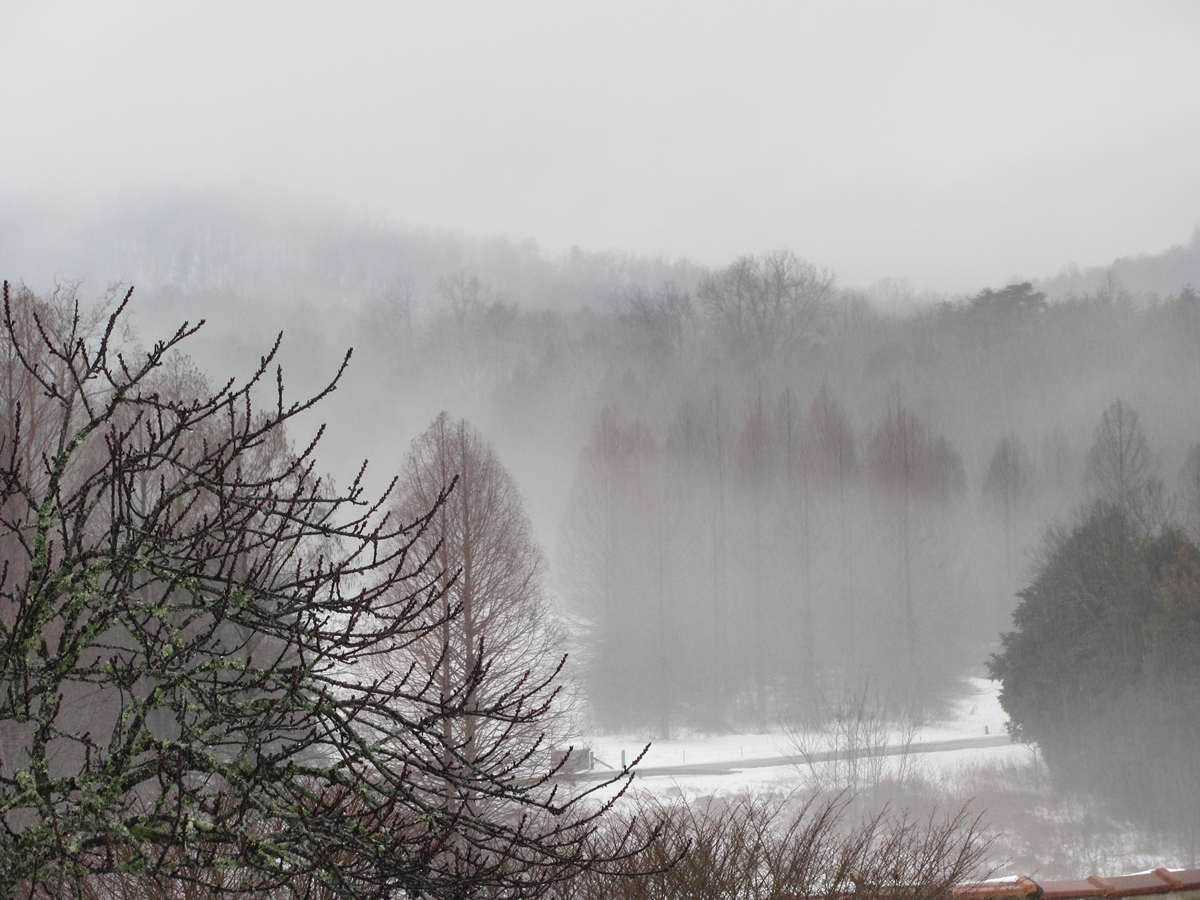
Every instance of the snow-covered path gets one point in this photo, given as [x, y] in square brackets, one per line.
[734, 766]
[972, 731]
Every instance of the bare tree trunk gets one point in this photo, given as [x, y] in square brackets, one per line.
[466, 484]
[754, 465]
[718, 559]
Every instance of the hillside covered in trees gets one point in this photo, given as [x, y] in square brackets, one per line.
[732, 497]
[754, 486]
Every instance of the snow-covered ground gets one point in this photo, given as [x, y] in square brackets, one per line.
[1038, 831]
[734, 762]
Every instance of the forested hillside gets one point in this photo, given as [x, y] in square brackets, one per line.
[755, 486]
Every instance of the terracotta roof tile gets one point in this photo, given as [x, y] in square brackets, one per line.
[1056, 889]
[1135, 885]
[998, 889]
[1171, 879]
[1158, 881]
[1189, 878]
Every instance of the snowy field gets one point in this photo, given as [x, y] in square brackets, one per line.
[711, 764]
[1037, 830]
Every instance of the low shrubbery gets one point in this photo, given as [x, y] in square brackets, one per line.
[756, 847]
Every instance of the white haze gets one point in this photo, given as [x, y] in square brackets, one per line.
[952, 145]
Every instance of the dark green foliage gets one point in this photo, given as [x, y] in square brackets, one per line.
[1103, 668]
[1011, 300]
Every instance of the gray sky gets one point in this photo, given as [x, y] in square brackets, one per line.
[952, 144]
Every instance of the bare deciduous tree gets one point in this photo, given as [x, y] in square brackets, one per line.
[768, 303]
[497, 629]
[188, 617]
[834, 469]
[1008, 487]
[463, 293]
[663, 318]
[796, 527]
[916, 475]
[608, 549]
[1120, 466]
[754, 469]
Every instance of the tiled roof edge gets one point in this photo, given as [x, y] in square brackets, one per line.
[1156, 881]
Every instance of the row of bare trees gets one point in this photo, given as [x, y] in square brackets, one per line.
[221, 676]
[741, 561]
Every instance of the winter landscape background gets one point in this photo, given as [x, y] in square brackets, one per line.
[825, 381]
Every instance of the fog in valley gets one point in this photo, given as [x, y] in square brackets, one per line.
[758, 475]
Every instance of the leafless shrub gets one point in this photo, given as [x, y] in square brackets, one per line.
[755, 847]
[1033, 828]
[849, 737]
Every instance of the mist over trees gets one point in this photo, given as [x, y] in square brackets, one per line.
[1103, 667]
[744, 491]
[530, 350]
[496, 632]
[728, 559]
[1169, 272]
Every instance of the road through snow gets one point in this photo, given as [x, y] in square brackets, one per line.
[732, 767]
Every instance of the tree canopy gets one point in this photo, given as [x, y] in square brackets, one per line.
[1102, 669]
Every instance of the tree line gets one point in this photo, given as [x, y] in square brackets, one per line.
[745, 559]
[1102, 666]
[747, 445]
[222, 675]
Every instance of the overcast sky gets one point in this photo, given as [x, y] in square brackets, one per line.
[955, 145]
